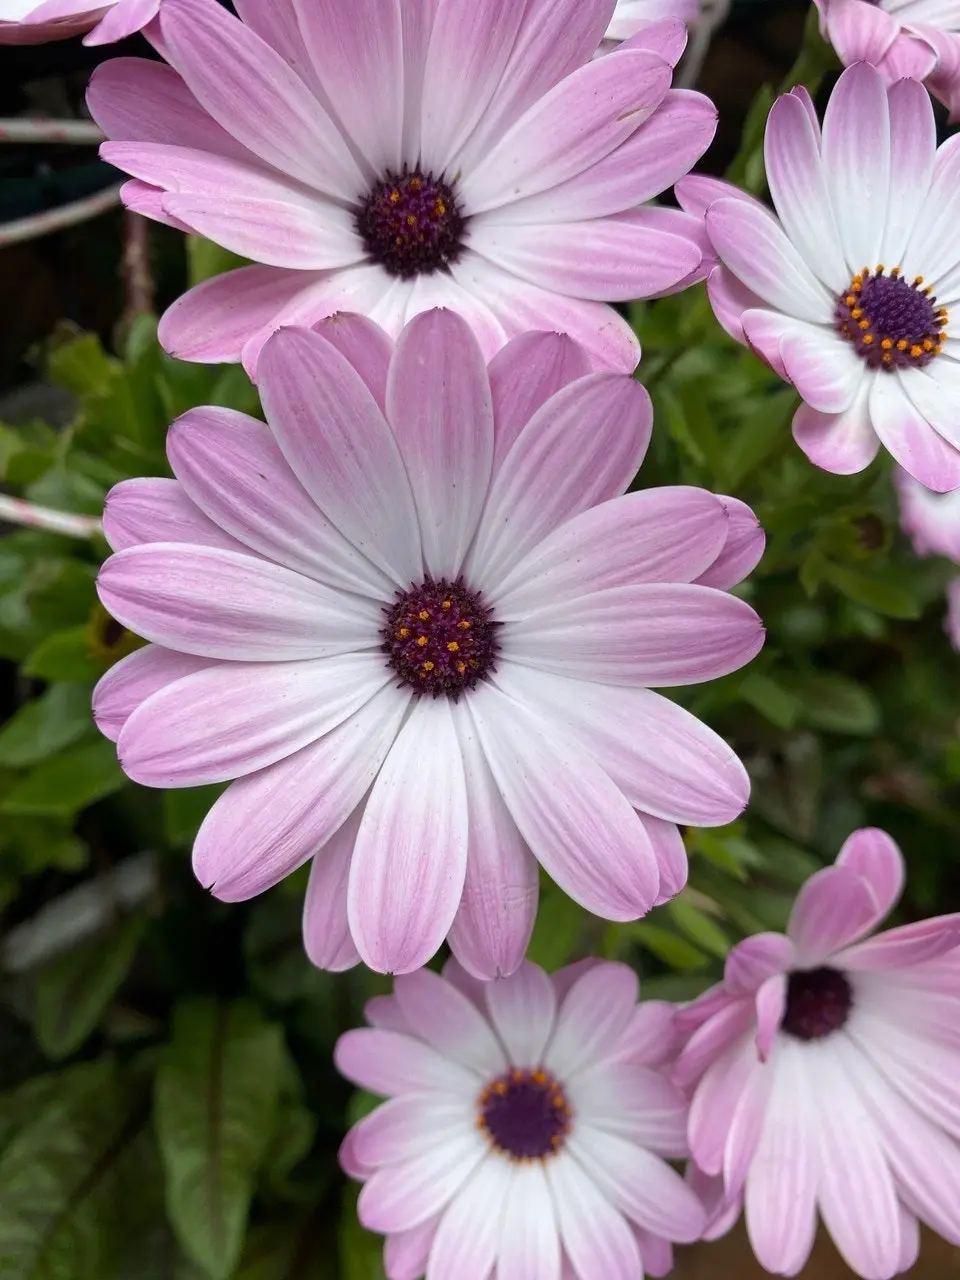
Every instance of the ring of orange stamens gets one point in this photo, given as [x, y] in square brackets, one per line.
[524, 1114]
[893, 323]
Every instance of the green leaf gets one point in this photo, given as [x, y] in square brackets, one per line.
[82, 366]
[51, 722]
[698, 926]
[74, 989]
[60, 1180]
[185, 809]
[669, 947]
[556, 934]
[291, 1249]
[839, 705]
[63, 785]
[216, 1105]
[64, 656]
[771, 699]
[361, 1253]
[873, 590]
[206, 259]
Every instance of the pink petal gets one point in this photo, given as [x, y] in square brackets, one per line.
[856, 149]
[671, 855]
[134, 679]
[669, 534]
[221, 604]
[633, 1103]
[858, 32]
[901, 948]
[751, 962]
[730, 299]
[902, 427]
[582, 447]
[231, 719]
[410, 858]
[232, 469]
[148, 510]
[656, 1253]
[495, 918]
[726, 1081]
[440, 408]
[595, 1235]
[326, 932]
[269, 823]
[823, 368]
[711, 1038]
[349, 1163]
[384, 1012]
[142, 101]
[564, 978]
[771, 1004]
[742, 550]
[833, 909]
[523, 1008]
[876, 858]
[650, 1037]
[529, 1241]
[661, 634]
[251, 91]
[666, 762]
[572, 127]
[913, 144]
[405, 1253]
[404, 1127]
[398, 1197]
[340, 448]
[524, 375]
[593, 1016]
[576, 822]
[365, 345]
[442, 1016]
[386, 1063]
[211, 322]
[467, 1242]
[668, 38]
[844, 443]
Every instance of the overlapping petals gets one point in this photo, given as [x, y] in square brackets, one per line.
[823, 1074]
[262, 576]
[871, 192]
[453, 1202]
[29, 22]
[271, 134]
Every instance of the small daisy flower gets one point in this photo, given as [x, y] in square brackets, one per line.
[385, 160]
[415, 618]
[918, 39]
[932, 522]
[825, 1073]
[526, 1128]
[851, 291]
[27, 22]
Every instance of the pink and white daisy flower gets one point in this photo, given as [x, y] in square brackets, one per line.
[526, 1128]
[919, 39]
[393, 157]
[27, 22]
[932, 522]
[631, 16]
[849, 292]
[825, 1073]
[416, 619]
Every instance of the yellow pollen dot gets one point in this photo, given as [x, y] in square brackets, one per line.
[500, 1088]
[916, 350]
[453, 647]
[540, 1077]
[422, 641]
[857, 312]
[886, 357]
[850, 299]
[461, 668]
[428, 666]
[464, 625]
[403, 633]
[880, 269]
[902, 344]
[446, 604]
[411, 220]
[887, 343]
[917, 281]
[895, 272]
[864, 324]
[928, 344]
[440, 208]
[423, 615]
[394, 196]
[867, 339]
[416, 184]
[517, 1075]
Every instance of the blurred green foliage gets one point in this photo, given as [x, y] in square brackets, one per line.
[173, 1111]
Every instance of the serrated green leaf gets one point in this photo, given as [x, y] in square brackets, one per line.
[63, 656]
[217, 1088]
[75, 988]
[60, 1180]
[59, 717]
[64, 784]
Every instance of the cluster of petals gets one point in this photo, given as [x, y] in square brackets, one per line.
[263, 575]
[824, 1074]
[916, 39]
[446, 1183]
[29, 22]
[932, 522]
[284, 136]
[867, 209]
[631, 16]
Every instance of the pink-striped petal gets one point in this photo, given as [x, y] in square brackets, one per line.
[771, 1004]
[751, 962]
[390, 1064]
[874, 856]
[468, 1237]
[523, 1008]
[911, 438]
[742, 550]
[832, 910]
[595, 1235]
[364, 345]
[134, 679]
[843, 443]
[523, 376]
[593, 1016]
[326, 931]
[529, 1241]
[856, 149]
[401, 1196]
[445, 1018]
[911, 944]
[153, 509]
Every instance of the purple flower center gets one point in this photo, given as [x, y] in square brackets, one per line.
[892, 323]
[440, 638]
[411, 224]
[818, 1003]
[525, 1114]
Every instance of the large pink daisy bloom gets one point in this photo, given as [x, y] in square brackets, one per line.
[850, 292]
[915, 38]
[392, 157]
[415, 618]
[825, 1073]
[27, 22]
[526, 1127]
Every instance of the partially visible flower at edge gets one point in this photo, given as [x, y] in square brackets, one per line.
[932, 522]
[499, 172]
[824, 1074]
[27, 22]
[851, 291]
[528, 1126]
[415, 616]
[631, 16]
[918, 39]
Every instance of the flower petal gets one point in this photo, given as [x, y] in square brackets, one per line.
[843, 443]
[530, 1241]
[874, 856]
[398, 1197]
[901, 426]
[133, 679]
[523, 1008]
[326, 931]
[595, 1235]
[833, 909]
[468, 1237]
[751, 962]
[364, 345]
[593, 1016]
[524, 375]
[387, 1063]
[153, 509]
[742, 550]
[856, 157]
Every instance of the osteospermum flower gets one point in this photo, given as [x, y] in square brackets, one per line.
[915, 38]
[932, 522]
[415, 619]
[525, 1129]
[27, 22]
[824, 1073]
[375, 159]
[851, 291]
